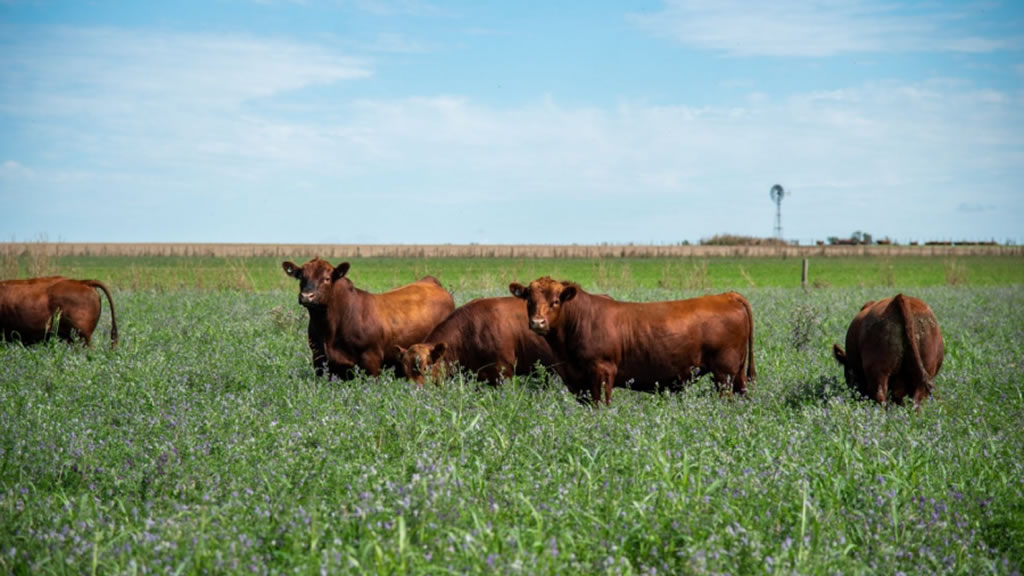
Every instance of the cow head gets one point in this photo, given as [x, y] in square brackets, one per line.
[848, 371]
[315, 279]
[419, 360]
[544, 299]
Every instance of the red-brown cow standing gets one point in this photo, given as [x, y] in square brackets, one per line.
[28, 309]
[893, 345]
[488, 336]
[601, 343]
[349, 327]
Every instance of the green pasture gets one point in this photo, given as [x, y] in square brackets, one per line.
[204, 444]
[704, 274]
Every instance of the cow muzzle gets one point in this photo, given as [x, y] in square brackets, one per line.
[307, 298]
[539, 325]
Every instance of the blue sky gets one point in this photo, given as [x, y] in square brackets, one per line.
[403, 121]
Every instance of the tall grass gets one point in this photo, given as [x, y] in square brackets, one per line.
[205, 444]
[36, 259]
[481, 274]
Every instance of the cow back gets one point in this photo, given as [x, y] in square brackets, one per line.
[490, 332]
[655, 343]
[363, 327]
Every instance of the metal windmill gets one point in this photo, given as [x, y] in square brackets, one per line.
[777, 194]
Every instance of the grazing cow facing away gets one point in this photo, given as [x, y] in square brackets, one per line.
[893, 345]
[28, 309]
[601, 343]
[349, 327]
[489, 336]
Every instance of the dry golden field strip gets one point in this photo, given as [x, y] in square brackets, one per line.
[333, 251]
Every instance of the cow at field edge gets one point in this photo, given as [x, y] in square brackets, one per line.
[349, 327]
[28, 309]
[601, 343]
[489, 336]
[311, 274]
[893, 345]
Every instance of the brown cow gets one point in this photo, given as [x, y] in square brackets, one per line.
[349, 327]
[892, 345]
[601, 343]
[29, 307]
[488, 336]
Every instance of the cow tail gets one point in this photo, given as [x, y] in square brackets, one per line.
[113, 317]
[911, 330]
[751, 371]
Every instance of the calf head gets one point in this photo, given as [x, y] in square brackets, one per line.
[544, 299]
[419, 360]
[315, 280]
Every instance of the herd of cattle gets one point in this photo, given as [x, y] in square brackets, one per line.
[593, 342]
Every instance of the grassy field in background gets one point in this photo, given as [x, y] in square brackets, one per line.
[205, 444]
[461, 274]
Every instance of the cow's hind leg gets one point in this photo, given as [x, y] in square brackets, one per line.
[728, 371]
[372, 361]
[897, 389]
[738, 381]
[920, 393]
[878, 385]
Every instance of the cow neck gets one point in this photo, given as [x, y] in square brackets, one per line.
[450, 332]
[349, 302]
[572, 322]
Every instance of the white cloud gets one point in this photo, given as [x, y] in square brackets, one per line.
[391, 8]
[75, 70]
[11, 169]
[181, 122]
[816, 29]
[397, 44]
[975, 207]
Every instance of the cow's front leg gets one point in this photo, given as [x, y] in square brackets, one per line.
[339, 363]
[602, 379]
[319, 357]
[316, 337]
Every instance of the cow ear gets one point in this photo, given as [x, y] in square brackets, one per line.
[399, 350]
[517, 290]
[568, 293]
[438, 351]
[291, 269]
[839, 354]
[340, 271]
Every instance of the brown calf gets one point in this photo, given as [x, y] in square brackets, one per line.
[488, 336]
[29, 307]
[349, 327]
[893, 345]
[602, 343]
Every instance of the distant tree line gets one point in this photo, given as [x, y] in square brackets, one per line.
[858, 238]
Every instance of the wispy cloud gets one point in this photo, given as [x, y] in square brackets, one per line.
[975, 207]
[397, 7]
[180, 67]
[816, 29]
[194, 120]
[396, 43]
[96, 94]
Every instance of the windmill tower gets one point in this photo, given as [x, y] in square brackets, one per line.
[777, 193]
